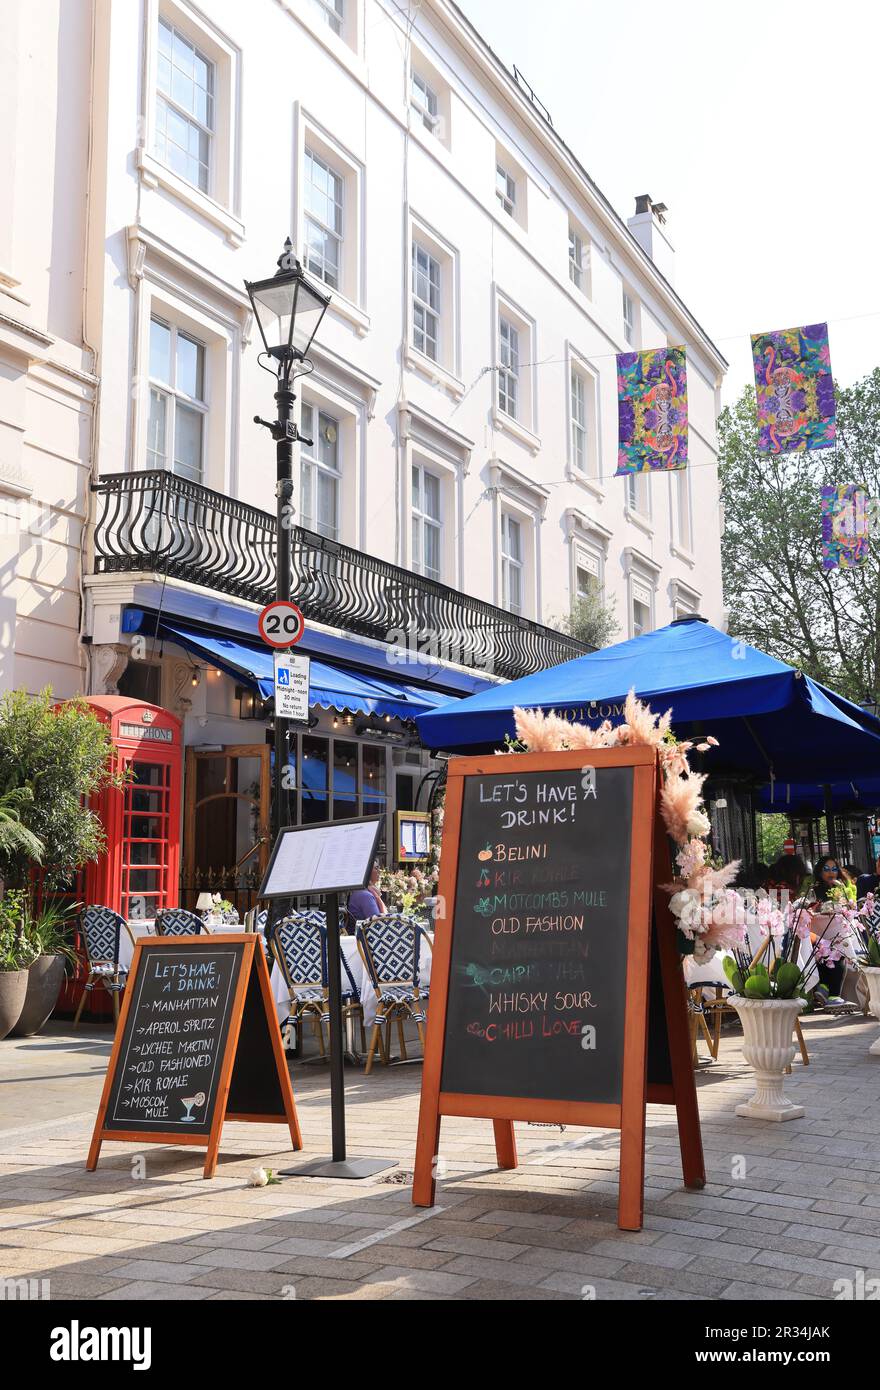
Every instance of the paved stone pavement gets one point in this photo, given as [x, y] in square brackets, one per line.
[788, 1209]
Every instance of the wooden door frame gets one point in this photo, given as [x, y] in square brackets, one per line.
[260, 751]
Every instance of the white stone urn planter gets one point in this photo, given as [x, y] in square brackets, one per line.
[871, 974]
[768, 1047]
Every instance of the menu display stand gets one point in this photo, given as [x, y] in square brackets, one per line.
[548, 1002]
[328, 859]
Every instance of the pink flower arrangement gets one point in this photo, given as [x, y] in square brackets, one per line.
[707, 910]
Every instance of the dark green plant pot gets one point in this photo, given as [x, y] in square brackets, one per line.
[45, 978]
[13, 990]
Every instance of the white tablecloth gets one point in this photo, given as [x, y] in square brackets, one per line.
[147, 927]
[358, 973]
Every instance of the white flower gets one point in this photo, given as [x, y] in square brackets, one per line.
[259, 1178]
[698, 823]
[679, 901]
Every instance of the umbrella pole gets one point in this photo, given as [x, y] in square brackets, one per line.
[829, 820]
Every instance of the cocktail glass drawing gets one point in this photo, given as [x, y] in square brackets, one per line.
[189, 1102]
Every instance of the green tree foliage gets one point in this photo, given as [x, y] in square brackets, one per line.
[591, 620]
[15, 837]
[825, 622]
[52, 761]
[774, 831]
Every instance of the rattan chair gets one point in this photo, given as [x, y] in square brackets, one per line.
[177, 921]
[297, 943]
[389, 946]
[101, 930]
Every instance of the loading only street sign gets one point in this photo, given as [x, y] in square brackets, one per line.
[292, 687]
[281, 624]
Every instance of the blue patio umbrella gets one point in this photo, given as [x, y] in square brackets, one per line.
[771, 721]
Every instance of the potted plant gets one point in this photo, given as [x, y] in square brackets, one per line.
[16, 954]
[768, 999]
[49, 935]
[867, 954]
[768, 1002]
[54, 757]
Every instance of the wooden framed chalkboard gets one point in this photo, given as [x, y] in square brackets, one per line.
[544, 967]
[197, 1042]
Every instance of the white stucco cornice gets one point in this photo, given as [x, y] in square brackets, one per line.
[496, 74]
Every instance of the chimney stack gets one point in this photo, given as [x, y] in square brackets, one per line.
[648, 226]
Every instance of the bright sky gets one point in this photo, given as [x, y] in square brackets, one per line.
[756, 124]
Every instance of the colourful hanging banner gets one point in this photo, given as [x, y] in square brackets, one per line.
[845, 526]
[796, 408]
[652, 410]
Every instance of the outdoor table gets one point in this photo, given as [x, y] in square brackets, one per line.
[366, 993]
[146, 926]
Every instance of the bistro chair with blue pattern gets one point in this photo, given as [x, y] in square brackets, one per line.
[177, 921]
[297, 943]
[352, 1008]
[389, 945]
[101, 929]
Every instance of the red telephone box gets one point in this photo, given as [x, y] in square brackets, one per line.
[139, 872]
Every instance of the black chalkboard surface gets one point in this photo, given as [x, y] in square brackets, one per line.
[174, 1040]
[197, 1041]
[537, 983]
[557, 995]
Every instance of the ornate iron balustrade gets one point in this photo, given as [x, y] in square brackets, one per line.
[159, 522]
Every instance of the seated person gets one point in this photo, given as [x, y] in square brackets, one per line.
[365, 902]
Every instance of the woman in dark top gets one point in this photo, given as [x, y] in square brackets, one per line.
[827, 875]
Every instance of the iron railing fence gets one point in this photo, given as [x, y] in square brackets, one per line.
[158, 522]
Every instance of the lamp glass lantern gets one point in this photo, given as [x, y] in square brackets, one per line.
[288, 308]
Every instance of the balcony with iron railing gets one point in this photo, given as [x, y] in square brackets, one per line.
[160, 523]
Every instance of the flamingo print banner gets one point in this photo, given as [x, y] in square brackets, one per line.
[652, 410]
[845, 526]
[796, 408]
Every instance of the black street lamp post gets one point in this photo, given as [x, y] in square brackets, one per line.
[288, 310]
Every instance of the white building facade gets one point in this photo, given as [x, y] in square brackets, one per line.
[463, 403]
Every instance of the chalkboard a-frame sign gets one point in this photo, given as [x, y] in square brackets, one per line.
[545, 966]
[197, 1042]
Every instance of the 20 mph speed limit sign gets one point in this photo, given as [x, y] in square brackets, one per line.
[281, 624]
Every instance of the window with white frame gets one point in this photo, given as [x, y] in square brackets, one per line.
[505, 189]
[426, 302]
[577, 259]
[331, 12]
[427, 525]
[323, 198]
[681, 493]
[185, 100]
[584, 434]
[629, 318]
[178, 408]
[587, 581]
[683, 608]
[512, 565]
[638, 494]
[508, 367]
[424, 101]
[320, 472]
[641, 606]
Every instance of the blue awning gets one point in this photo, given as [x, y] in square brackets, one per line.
[770, 720]
[332, 687]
